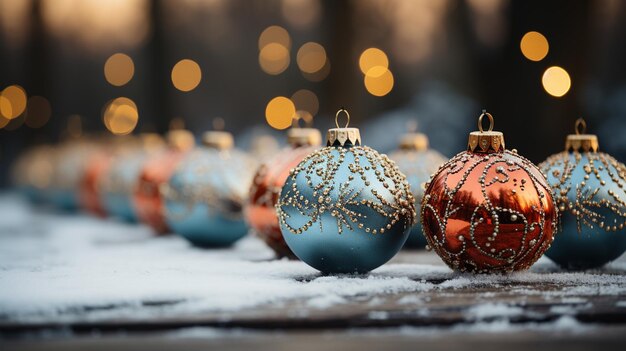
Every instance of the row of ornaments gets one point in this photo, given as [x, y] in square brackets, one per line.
[345, 208]
[200, 192]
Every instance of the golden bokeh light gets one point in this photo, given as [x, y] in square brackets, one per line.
[275, 34]
[378, 81]
[371, 58]
[121, 116]
[274, 58]
[301, 13]
[311, 57]
[186, 75]
[13, 101]
[119, 69]
[319, 75]
[556, 81]
[38, 112]
[534, 46]
[5, 107]
[280, 112]
[97, 25]
[305, 100]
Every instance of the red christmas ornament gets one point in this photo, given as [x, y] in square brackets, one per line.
[268, 181]
[89, 190]
[488, 210]
[147, 197]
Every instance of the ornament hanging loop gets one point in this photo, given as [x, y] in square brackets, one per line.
[480, 121]
[295, 121]
[580, 126]
[337, 117]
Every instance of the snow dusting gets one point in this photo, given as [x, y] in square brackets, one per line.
[64, 268]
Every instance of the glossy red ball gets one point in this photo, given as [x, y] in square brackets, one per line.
[268, 182]
[147, 198]
[89, 191]
[489, 212]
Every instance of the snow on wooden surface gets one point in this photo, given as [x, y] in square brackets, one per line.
[61, 269]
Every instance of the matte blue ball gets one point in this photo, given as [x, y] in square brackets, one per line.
[204, 197]
[589, 191]
[417, 166]
[346, 210]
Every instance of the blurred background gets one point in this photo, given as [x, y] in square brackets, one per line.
[90, 67]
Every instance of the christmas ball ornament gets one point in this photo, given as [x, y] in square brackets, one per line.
[417, 162]
[205, 195]
[267, 183]
[118, 185]
[68, 170]
[345, 208]
[488, 210]
[89, 191]
[588, 187]
[32, 173]
[147, 198]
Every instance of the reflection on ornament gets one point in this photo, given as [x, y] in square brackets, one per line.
[147, 198]
[345, 208]
[268, 181]
[205, 195]
[417, 162]
[488, 210]
[588, 187]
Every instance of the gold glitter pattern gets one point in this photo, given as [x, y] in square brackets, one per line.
[360, 188]
[598, 199]
[217, 178]
[488, 213]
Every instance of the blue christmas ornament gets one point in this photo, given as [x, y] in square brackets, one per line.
[345, 208]
[589, 189]
[417, 162]
[32, 173]
[205, 195]
[118, 186]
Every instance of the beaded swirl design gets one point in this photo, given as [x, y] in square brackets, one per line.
[218, 179]
[488, 213]
[361, 189]
[601, 203]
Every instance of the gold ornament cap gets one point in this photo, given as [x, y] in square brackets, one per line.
[343, 136]
[180, 139]
[581, 142]
[414, 141]
[485, 141]
[297, 137]
[151, 142]
[218, 139]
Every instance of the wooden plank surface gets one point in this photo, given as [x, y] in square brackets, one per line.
[413, 300]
